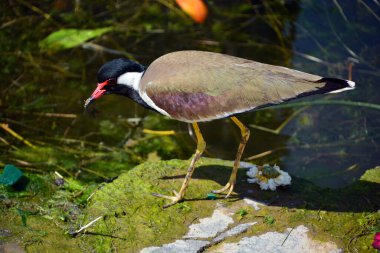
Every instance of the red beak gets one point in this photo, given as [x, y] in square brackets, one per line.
[98, 92]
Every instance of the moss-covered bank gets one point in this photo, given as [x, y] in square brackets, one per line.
[133, 219]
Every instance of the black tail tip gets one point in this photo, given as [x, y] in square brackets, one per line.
[335, 85]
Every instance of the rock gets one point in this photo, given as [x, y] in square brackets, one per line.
[209, 227]
[133, 220]
[372, 175]
[241, 228]
[295, 240]
[137, 219]
[253, 203]
[179, 246]
[11, 247]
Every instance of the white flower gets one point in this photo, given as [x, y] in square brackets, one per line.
[252, 171]
[266, 182]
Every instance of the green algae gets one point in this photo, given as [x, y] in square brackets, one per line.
[40, 234]
[372, 175]
[98, 164]
[133, 219]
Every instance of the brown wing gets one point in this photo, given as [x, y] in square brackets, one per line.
[201, 86]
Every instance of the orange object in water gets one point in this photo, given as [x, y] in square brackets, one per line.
[196, 9]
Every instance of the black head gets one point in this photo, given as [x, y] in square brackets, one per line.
[108, 75]
[115, 68]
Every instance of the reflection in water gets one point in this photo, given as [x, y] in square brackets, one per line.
[328, 145]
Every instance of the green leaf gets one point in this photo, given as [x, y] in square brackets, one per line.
[23, 216]
[69, 38]
[270, 220]
[11, 175]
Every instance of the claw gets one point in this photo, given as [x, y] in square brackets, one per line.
[175, 199]
[229, 186]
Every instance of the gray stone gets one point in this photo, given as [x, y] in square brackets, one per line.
[291, 241]
[233, 231]
[179, 246]
[209, 227]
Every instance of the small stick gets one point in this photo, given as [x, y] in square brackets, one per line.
[16, 135]
[56, 115]
[58, 175]
[282, 125]
[7, 143]
[326, 102]
[157, 132]
[287, 236]
[265, 153]
[86, 226]
[48, 114]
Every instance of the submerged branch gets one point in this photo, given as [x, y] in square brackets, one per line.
[86, 226]
[16, 135]
[326, 102]
[158, 132]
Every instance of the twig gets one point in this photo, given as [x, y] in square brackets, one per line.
[281, 126]
[265, 129]
[86, 226]
[314, 59]
[58, 175]
[48, 114]
[327, 102]
[7, 143]
[157, 132]
[16, 135]
[348, 49]
[99, 48]
[307, 146]
[370, 10]
[287, 236]
[265, 153]
[36, 10]
[56, 115]
[94, 172]
[340, 10]
[172, 7]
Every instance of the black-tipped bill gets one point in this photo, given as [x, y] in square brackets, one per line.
[98, 92]
[89, 101]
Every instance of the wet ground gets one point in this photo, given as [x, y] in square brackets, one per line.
[329, 141]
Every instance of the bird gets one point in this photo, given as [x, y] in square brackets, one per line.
[197, 86]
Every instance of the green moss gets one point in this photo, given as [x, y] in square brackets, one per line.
[372, 175]
[40, 234]
[133, 218]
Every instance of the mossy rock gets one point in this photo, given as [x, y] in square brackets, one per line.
[133, 218]
[372, 175]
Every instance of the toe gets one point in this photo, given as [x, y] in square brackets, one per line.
[226, 187]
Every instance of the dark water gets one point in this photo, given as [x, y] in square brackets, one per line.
[331, 145]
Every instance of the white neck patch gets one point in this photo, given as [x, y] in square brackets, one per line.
[131, 79]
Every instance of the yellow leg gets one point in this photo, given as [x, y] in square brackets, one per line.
[201, 145]
[244, 139]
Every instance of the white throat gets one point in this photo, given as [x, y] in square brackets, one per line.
[131, 79]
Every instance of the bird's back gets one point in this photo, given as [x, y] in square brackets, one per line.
[200, 86]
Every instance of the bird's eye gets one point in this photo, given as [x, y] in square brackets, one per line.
[111, 81]
[110, 84]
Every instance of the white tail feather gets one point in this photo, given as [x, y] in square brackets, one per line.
[351, 86]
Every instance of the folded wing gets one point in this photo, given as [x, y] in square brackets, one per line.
[201, 86]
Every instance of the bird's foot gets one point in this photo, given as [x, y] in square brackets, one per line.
[229, 187]
[175, 199]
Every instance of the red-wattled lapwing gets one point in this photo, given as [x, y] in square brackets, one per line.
[195, 86]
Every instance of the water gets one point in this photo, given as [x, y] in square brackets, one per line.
[330, 145]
